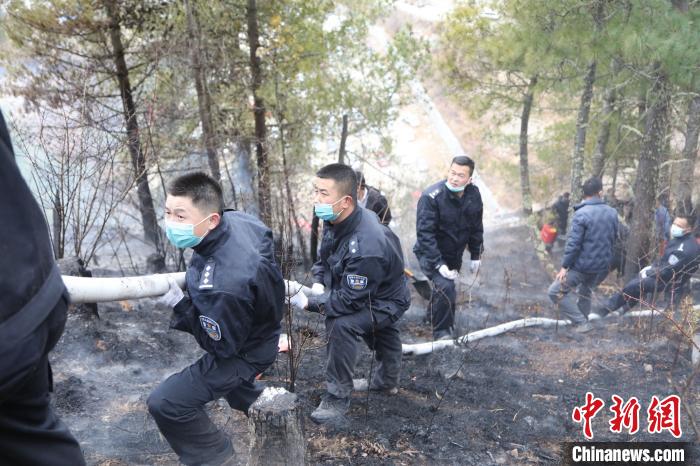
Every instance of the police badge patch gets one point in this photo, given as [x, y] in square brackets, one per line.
[211, 327]
[357, 282]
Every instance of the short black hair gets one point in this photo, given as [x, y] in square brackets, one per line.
[592, 186]
[360, 178]
[201, 188]
[464, 161]
[566, 194]
[344, 177]
[690, 218]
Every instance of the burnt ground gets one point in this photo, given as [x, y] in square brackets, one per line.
[501, 400]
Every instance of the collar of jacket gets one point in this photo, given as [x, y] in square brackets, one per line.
[217, 236]
[456, 196]
[346, 226]
[592, 201]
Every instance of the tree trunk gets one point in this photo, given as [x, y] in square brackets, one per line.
[686, 167]
[276, 425]
[203, 98]
[600, 154]
[315, 221]
[653, 142]
[581, 129]
[259, 115]
[343, 139]
[138, 160]
[524, 166]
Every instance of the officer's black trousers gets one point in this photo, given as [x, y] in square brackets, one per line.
[632, 293]
[177, 405]
[379, 332]
[441, 310]
[30, 432]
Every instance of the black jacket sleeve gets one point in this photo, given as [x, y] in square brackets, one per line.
[426, 232]
[232, 314]
[347, 299]
[476, 236]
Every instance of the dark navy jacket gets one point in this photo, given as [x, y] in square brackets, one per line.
[377, 203]
[361, 265]
[31, 285]
[594, 229]
[680, 260]
[236, 292]
[446, 224]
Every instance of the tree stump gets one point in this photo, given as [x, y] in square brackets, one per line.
[277, 435]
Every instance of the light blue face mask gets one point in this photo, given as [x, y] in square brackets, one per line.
[182, 234]
[325, 211]
[454, 189]
[677, 231]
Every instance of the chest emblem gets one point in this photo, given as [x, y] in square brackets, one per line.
[211, 327]
[357, 282]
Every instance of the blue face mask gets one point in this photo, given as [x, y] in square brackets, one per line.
[677, 231]
[454, 189]
[325, 211]
[182, 234]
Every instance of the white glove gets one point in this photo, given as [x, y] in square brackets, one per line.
[299, 300]
[291, 287]
[474, 266]
[317, 289]
[447, 273]
[174, 294]
[644, 272]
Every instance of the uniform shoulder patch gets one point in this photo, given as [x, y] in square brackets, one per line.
[673, 259]
[357, 282]
[434, 193]
[206, 280]
[354, 245]
[211, 327]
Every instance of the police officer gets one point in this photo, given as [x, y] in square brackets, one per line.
[449, 219]
[679, 262]
[364, 291]
[372, 199]
[234, 309]
[33, 305]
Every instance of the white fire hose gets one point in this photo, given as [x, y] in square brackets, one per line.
[102, 289]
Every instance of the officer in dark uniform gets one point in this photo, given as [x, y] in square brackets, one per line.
[234, 309]
[33, 305]
[448, 220]
[372, 199]
[679, 262]
[361, 267]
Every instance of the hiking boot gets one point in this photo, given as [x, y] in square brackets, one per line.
[584, 327]
[361, 385]
[331, 410]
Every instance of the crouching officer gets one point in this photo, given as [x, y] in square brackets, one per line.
[360, 273]
[449, 219]
[33, 305]
[234, 309]
[669, 273]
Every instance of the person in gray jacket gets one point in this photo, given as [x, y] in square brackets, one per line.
[587, 255]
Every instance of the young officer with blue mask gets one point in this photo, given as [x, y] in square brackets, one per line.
[363, 292]
[234, 309]
[448, 220]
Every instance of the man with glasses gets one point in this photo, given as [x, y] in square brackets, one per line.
[449, 219]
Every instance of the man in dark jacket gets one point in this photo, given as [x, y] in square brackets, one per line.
[561, 210]
[679, 262]
[234, 309]
[33, 305]
[448, 220]
[372, 199]
[362, 291]
[587, 254]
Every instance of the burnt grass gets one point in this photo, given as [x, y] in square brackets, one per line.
[501, 400]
